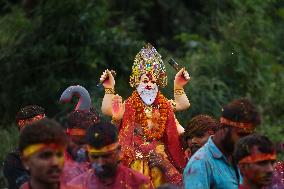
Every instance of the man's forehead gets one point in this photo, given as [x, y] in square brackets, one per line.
[50, 151]
[255, 150]
[78, 139]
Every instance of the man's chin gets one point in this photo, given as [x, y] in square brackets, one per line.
[195, 149]
[52, 180]
[266, 181]
[105, 175]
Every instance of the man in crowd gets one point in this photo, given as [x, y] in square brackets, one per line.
[13, 169]
[78, 121]
[212, 165]
[196, 134]
[76, 158]
[107, 172]
[255, 156]
[42, 146]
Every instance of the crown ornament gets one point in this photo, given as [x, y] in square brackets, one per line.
[148, 61]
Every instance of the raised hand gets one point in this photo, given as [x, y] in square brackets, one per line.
[117, 107]
[181, 78]
[107, 79]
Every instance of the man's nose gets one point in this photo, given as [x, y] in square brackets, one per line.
[194, 140]
[270, 167]
[101, 161]
[57, 160]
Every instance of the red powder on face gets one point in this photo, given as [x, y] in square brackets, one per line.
[150, 76]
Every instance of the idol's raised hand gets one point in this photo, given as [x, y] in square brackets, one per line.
[117, 107]
[181, 78]
[107, 79]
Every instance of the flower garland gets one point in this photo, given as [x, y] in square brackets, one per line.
[141, 118]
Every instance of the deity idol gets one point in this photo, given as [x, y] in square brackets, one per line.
[146, 119]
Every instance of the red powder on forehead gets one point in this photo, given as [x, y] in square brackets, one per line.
[150, 76]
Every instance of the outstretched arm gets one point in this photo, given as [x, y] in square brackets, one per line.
[112, 104]
[108, 82]
[181, 100]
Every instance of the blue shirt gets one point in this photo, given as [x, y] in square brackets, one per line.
[209, 168]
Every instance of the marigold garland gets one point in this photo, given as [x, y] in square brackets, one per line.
[140, 117]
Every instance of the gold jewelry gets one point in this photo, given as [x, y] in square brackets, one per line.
[109, 91]
[174, 104]
[179, 91]
[148, 112]
[116, 122]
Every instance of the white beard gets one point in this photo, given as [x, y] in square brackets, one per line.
[148, 96]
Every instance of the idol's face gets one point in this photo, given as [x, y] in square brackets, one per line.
[147, 88]
[46, 165]
[148, 81]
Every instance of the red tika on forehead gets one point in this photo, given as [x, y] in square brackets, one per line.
[23, 122]
[76, 132]
[149, 75]
[240, 125]
[258, 157]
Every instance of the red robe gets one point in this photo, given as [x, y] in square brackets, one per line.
[170, 138]
[72, 168]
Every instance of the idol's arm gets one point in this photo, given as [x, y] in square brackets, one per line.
[181, 100]
[108, 82]
[107, 104]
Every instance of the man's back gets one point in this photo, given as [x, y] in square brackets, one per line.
[208, 168]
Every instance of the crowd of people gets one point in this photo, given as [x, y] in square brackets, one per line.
[144, 146]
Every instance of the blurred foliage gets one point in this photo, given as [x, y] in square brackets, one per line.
[9, 140]
[232, 49]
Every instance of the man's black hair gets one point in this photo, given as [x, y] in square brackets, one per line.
[199, 125]
[241, 110]
[42, 131]
[245, 145]
[28, 112]
[102, 134]
[81, 119]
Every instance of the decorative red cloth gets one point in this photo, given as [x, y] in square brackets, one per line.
[171, 140]
[242, 187]
[278, 177]
[125, 178]
[72, 168]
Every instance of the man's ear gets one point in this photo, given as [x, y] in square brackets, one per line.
[243, 168]
[26, 163]
[119, 148]
[222, 131]
[210, 132]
